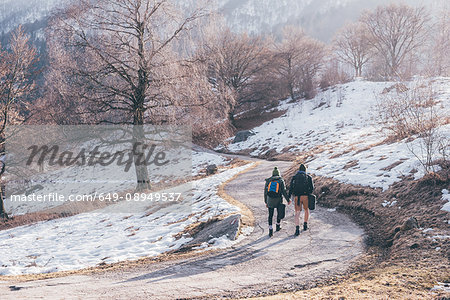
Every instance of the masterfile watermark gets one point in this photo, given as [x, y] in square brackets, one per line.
[84, 157]
[48, 166]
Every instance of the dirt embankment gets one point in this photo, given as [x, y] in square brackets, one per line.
[403, 255]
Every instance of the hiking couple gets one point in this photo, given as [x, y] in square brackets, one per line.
[301, 187]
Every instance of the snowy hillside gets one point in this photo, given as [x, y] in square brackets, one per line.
[105, 236]
[340, 130]
[15, 12]
[320, 18]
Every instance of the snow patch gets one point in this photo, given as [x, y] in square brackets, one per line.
[442, 286]
[340, 128]
[446, 196]
[90, 239]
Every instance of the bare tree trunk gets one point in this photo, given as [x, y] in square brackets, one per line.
[290, 79]
[231, 117]
[291, 91]
[3, 213]
[142, 175]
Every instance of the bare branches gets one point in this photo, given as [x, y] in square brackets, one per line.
[235, 62]
[410, 111]
[396, 31]
[298, 60]
[115, 54]
[351, 45]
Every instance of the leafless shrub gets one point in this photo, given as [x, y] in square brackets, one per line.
[408, 112]
[332, 73]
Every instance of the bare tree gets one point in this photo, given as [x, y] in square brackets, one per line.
[299, 58]
[396, 31]
[16, 80]
[121, 60]
[235, 62]
[288, 55]
[352, 46]
[16, 85]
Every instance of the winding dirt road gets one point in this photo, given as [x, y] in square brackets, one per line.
[255, 266]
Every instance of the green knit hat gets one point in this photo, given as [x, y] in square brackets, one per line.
[302, 168]
[275, 172]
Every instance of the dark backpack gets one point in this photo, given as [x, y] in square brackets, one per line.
[274, 189]
[300, 184]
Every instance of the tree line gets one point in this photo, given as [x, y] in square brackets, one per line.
[154, 62]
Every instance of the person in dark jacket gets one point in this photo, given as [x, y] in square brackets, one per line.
[273, 201]
[301, 186]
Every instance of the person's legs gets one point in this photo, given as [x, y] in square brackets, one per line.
[297, 218]
[298, 209]
[271, 210]
[305, 206]
[278, 219]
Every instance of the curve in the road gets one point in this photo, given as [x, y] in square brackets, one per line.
[256, 266]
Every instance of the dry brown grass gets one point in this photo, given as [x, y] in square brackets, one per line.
[393, 282]
[390, 167]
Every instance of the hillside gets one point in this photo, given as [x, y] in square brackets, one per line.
[339, 135]
[318, 18]
[377, 182]
[375, 179]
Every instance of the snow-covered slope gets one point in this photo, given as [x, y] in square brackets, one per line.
[15, 12]
[320, 18]
[104, 236]
[341, 131]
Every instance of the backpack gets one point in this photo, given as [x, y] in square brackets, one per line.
[300, 184]
[273, 189]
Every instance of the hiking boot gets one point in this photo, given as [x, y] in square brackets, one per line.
[297, 230]
[270, 232]
[278, 227]
[305, 226]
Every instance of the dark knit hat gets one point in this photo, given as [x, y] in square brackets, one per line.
[275, 172]
[302, 168]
